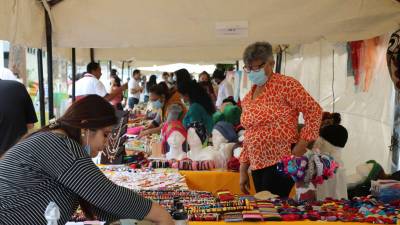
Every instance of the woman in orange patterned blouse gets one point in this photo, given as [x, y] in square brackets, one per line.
[270, 116]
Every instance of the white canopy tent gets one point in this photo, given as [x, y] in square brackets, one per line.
[192, 31]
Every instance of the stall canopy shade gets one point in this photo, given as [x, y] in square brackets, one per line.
[186, 30]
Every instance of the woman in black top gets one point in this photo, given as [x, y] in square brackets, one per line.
[54, 165]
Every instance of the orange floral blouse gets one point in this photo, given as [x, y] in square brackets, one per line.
[271, 121]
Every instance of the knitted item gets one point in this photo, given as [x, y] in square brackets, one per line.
[233, 164]
[201, 131]
[312, 167]
[232, 114]
[168, 129]
[217, 117]
[227, 130]
[335, 134]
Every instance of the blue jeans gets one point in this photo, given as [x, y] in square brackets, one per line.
[132, 102]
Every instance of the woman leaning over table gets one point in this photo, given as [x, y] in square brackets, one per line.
[54, 165]
[270, 116]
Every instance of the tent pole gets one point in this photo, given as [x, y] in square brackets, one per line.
[41, 88]
[73, 73]
[278, 60]
[49, 65]
[91, 55]
[122, 74]
[129, 70]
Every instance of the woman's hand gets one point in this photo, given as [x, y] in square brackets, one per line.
[300, 148]
[244, 178]
[158, 215]
[143, 133]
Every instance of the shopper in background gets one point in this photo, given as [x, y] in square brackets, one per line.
[17, 114]
[152, 81]
[134, 89]
[90, 84]
[225, 89]
[207, 86]
[201, 107]
[163, 100]
[54, 164]
[270, 118]
[204, 77]
[168, 79]
[115, 85]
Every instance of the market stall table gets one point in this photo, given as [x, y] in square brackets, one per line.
[214, 181]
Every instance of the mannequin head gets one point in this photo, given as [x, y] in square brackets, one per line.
[173, 137]
[218, 138]
[193, 139]
[224, 132]
[175, 145]
[197, 135]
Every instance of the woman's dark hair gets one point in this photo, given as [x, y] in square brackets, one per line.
[207, 85]
[91, 112]
[116, 79]
[331, 118]
[337, 119]
[230, 99]
[196, 94]
[114, 72]
[183, 80]
[152, 81]
[205, 73]
[160, 89]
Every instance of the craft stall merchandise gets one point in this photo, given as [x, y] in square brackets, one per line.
[161, 186]
[150, 165]
[176, 147]
[145, 179]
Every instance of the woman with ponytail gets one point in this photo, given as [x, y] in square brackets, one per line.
[201, 106]
[54, 165]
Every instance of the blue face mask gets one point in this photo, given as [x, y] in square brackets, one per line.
[87, 149]
[157, 104]
[258, 78]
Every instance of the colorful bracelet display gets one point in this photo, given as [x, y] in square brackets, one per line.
[203, 206]
[184, 164]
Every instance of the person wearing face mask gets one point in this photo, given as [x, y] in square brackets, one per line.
[54, 165]
[270, 117]
[163, 100]
[225, 89]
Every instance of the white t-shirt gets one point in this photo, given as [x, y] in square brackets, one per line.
[90, 85]
[132, 84]
[224, 91]
[6, 74]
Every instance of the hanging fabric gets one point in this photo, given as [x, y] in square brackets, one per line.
[370, 56]
[356, 48]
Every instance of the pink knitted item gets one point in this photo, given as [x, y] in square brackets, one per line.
[135, 130]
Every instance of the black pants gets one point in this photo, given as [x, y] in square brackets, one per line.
[269, 179]
[132, 102]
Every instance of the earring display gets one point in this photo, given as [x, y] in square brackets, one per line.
[114, 149]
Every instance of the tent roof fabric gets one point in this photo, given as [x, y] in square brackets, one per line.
[185, 30]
